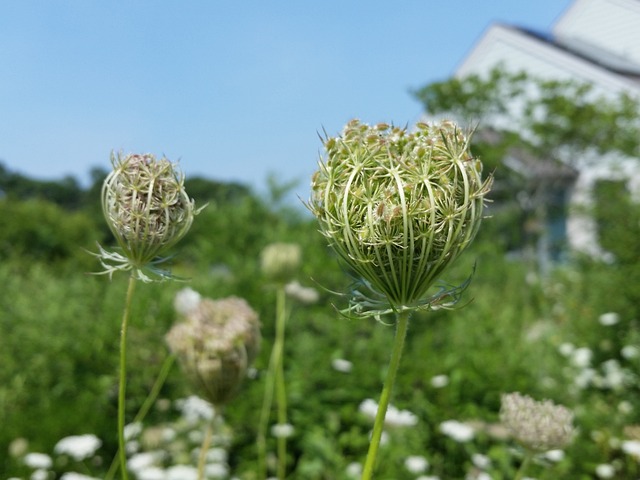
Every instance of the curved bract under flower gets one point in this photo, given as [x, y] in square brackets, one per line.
[398, 207]
[145, 204]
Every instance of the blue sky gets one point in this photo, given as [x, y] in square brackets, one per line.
[234, 90]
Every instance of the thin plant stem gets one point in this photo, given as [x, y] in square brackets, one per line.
[123, 377]
[281, 392]
[523, 466]
[402, 324]
[204, 448]
[146, 406]
[274, 371]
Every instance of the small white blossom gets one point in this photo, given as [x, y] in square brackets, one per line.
[304, 295]
[182, 472]
[144, 460]
[566, 349]
[151, 473]
[428, 477]
[439, 381]
[37, 460]
[78, 447]
[605, 470]
[631, 447]
[354, 470]
[630, 351]
[216, 470]
[342, 365]
[284, 430]
[416, 464]
[481, 461]
[608, 319]
[194, 409]
[458, 431]
[39, 474]
[80, 476]
[393, 417]
[186, 300]
[132, 430]
[554, 455]
[581, 357]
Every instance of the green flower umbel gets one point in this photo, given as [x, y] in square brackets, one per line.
[148, 211]
[398, 207]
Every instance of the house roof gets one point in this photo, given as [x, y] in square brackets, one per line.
[595, 41]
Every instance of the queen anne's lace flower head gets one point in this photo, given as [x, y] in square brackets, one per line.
[215, 344]
[538, 426]
[145, 204]
[398, 207]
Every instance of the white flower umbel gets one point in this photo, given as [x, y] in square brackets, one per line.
[608, 319]
[458, 431]
[416, 464]
[78, 447]
[77, 476]
[284, 430]
[341, 365]
[37, 460]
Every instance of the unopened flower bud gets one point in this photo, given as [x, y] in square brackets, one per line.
[215, 344]
[146, 207]
[280, 261]
[537, 426]
[400, 208]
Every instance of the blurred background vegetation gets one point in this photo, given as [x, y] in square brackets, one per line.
[514, 330]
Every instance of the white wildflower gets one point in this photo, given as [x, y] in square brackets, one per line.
[631, 447]
[144, 460]
[151, 473]
[458, 431]
[393, 417]
[608, 319]
[216, 470]
[439, 381]
[554, 455]
[186, 300]
[37, 460]
[341, 365]
[581, 357]
[566, 349]
[630, 351]
[284, 430]
[80, 476]
[416, 464]
[304, 295]
[605, 470]
[182, 472]
[78, 447]
[481, 461]
[39, 474]
[195, 409]
[354, 470]
[132, 430]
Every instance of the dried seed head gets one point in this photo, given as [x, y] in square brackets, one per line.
[215, 344]
[280, 261]
[537, 426]
[398, 207]
[146, 206]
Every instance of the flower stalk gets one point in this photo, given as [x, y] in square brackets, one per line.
[402, 325]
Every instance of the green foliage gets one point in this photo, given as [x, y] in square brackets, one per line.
[59, 330]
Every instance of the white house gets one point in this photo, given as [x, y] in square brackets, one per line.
[594, 41]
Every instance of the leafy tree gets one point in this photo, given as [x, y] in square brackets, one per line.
[536, 134]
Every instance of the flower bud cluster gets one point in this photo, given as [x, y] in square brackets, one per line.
[397, 206]
[280, 262]
[146, 206]
[537, 426]
[215, 344]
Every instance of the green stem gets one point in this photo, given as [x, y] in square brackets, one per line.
[146, 406]
[123, 377]
[273, 376]
[206, 442]
[523, 466]
[281, 392]
[402, 324]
